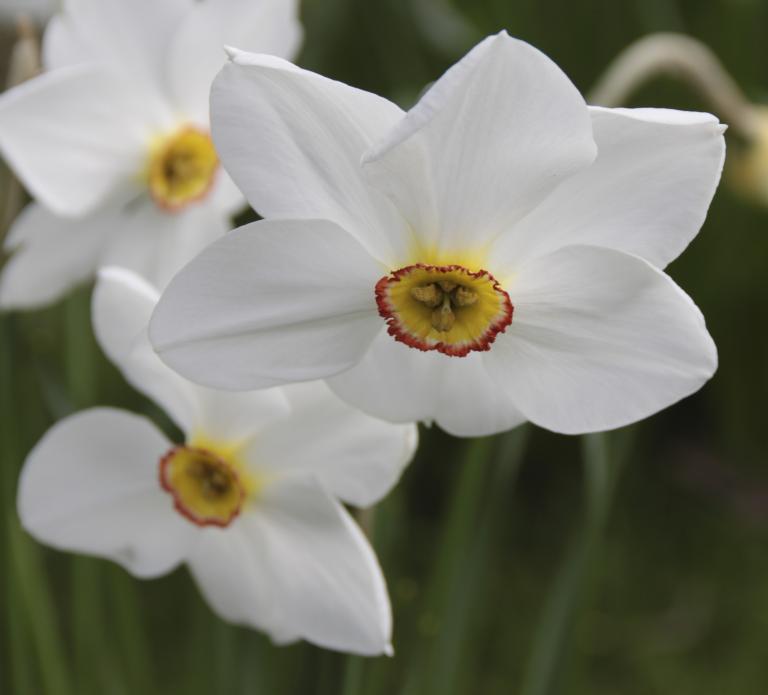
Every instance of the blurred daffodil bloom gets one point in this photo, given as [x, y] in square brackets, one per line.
[113, 141]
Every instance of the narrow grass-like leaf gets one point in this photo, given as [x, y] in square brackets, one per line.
[551, 642]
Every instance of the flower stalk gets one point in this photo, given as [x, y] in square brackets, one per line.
[30, 600]
[484, 485]
[553, 636]
[24, 64]
[684, 58]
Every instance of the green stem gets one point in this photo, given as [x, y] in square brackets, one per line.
[81, 350]
[35, 594]
[353, 676]
[465, 592]
[17, 645]
[130, 632]
[552, 639]
[387, 533]
[450, 595]
[224, 639]
[87, 598]
[28, 589]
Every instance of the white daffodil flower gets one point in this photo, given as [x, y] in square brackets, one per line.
[113, 138]
[491, 256]
[249, 500]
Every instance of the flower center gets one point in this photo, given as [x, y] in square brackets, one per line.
[182, 168]
[205, 487]
[445, 308]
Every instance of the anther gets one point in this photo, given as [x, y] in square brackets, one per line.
[443, 318]
[181, 168]
[427, 294]
[214, 482]
[463, 296]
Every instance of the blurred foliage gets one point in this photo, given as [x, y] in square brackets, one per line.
[675, 578]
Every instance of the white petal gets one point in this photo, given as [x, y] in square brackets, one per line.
[90, 486]
[157, 244]
[402, 384]
[470, 403]
[196, 53]
[490, 140]
[270, 303]
[51, 254]
[292, 141]
[599, 339]
[61, 45]
[230, 417]
[77, 137]
[356, 457]
[122, 305]
[647, 192]
[129, 36]
[230, 572]
[297, 565]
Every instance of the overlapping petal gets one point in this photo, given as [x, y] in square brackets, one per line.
[51, 254]
[157, 244]
[298, 566]
[270, 303]
[90, 486]
[647, 192]
[488, 142]
[196, 52]
[78, 136]
[400, 384]
[358, 458]
[131, 37]
[292, 140]
[600, 339]
[122, 305]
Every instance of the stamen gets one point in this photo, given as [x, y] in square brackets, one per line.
[205, 487]
[428, 294]
[443, 318]
[182, 168]
[450, 293]
[463, 296]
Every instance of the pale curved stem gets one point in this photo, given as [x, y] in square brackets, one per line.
[684, 58]
[24, 64]
[25, 55]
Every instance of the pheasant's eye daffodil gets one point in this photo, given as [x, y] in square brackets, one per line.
[491, 256]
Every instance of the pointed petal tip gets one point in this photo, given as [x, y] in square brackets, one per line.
[233, 53]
